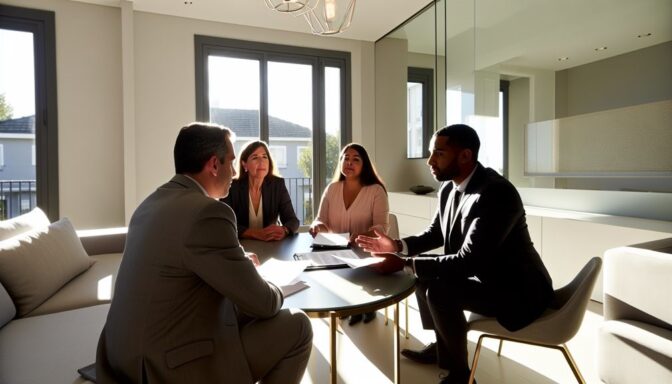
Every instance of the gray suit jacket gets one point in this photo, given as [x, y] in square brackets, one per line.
[183, 280]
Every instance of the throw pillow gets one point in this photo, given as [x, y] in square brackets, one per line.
[22, 224]
[7, 308]
[36, 264]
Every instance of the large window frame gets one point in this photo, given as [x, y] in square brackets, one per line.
[42, 25]
[425, 77]
[265, 52]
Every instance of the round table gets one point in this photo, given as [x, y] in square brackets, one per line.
[338, 292]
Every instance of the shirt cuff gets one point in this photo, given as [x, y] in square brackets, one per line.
[404, 248]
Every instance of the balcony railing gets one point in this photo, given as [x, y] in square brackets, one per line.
[19, 196]
[16, 197]
[301, 192]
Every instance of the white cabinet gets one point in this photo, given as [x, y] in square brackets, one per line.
[566, 240]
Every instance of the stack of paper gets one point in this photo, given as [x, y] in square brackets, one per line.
[284, 274]
[331, 240]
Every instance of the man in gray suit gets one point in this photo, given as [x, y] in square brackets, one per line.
[188, 305]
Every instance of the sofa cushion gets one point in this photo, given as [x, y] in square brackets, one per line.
[34, 265]
[50, 348]
[93, 287]
[634, 352]
[7, 308]
[22, 224]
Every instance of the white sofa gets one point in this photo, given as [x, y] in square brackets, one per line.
[635, 341]
[49, 344]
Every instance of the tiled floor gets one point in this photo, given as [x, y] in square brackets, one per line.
[365, 355]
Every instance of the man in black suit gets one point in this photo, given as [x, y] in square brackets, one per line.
[488, 265]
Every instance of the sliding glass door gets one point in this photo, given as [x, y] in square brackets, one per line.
[292, 98]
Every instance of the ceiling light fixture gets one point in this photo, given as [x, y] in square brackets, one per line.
[644, 35]
[603, 48]
[564, 58]
[286, 6]
[328, 17]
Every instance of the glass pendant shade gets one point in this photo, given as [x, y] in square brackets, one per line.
[286, 6]
[329, 17]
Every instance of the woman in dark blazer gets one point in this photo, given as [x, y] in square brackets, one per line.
[259, 197]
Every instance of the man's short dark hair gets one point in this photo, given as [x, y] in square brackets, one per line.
[196, 143]
[461, 136]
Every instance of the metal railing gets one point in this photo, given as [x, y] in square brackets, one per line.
[301, 192]
[17, 197]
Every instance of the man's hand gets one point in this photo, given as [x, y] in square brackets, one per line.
[253, 258]
[379, 243]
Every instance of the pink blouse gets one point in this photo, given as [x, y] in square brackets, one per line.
[369, 209]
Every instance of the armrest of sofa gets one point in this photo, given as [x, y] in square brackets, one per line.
[105, 240]
[637, 283]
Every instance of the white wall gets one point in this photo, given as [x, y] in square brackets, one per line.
[91, 103]
[165, 84]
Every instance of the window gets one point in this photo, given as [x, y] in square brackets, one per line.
[290, 97]
[2, 156]
[419, 111]
[28, 115]
[279, 153]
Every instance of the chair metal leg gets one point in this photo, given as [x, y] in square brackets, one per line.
[572, 363]
[499, 350]
[477, 354]
[563, 348]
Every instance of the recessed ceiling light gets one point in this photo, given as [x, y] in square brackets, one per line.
[603, 48]
[564, 58]
[644, 35]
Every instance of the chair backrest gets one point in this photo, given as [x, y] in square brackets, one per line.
[394, 226]
[571, 300]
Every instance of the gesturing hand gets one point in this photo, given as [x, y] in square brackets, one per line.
[379, 243]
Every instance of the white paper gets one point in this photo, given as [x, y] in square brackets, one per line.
[281, 272]
[323, 239]
[294, 287]
[332, 257]
[363, 262]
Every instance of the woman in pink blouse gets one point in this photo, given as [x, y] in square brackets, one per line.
[355, 202]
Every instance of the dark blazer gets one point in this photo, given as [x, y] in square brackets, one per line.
[491, 242]
[275, 201]
[183, 280]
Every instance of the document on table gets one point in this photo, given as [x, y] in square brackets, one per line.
[336, 258]
[284, 274]
[331, 240]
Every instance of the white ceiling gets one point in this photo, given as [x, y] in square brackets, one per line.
[372, 18]
[534, 34]
[525, 33]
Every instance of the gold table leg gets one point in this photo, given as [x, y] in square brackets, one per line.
[397, 367]
[333, 324]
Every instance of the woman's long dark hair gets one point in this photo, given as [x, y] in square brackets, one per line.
[369, 176]
[245, 153]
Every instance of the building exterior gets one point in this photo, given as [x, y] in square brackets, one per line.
[17, 166]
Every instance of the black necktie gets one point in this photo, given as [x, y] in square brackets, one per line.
[456, 204]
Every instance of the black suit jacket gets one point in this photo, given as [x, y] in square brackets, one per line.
[275, 202]
[492, 243]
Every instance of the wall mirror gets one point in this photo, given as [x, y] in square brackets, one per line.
[418, 46]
